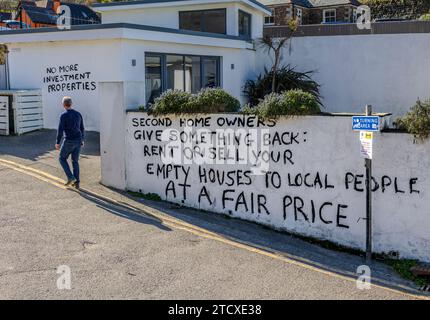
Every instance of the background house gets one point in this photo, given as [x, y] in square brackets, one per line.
[5, 16]
[311, 11]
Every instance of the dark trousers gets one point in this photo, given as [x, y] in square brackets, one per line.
[72, 148]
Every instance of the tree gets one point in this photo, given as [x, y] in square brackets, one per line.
[3, 51]
[271, 43]
[8, 5]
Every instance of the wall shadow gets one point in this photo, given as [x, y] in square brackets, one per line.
[34, 145]
[122, 212]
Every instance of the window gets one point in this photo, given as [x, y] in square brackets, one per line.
[213, 21]
[244, 24]
[172, 71]
[153, 77]
[175, 72]
[329, 15]
[299, 15]
[210, 73]
[192, 74]
[347, 15]
[269, 20]
[354, 15]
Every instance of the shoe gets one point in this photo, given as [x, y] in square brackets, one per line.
[70, 182]
[76, 184]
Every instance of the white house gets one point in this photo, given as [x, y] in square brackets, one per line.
[163, 44]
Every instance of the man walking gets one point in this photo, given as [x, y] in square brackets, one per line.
[72, 126]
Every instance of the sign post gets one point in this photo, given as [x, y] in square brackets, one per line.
[367, 125]
[368, 164]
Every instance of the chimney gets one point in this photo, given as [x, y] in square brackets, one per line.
[55, 5]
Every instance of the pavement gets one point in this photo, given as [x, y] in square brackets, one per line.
[120, 247]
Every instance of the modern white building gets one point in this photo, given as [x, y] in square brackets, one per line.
[162, 44]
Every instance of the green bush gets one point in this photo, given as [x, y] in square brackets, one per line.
[417, 120]
[170, 101]
[425, 17]
[286, 79]
[289, 103]
[213, 100]
[397, 9]
[209, 100]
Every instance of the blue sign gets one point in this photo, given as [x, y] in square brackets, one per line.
[365, 123]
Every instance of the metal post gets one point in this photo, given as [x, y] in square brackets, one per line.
[368, 165]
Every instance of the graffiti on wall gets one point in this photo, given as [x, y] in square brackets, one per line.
[207, 162]
[68, 77]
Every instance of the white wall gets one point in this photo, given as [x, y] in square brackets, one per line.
[109, 61]
[168, 17]
[322, 145]
[388, 71]
[29, 64]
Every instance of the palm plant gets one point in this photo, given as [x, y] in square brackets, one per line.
[286, 78]
[276, 45]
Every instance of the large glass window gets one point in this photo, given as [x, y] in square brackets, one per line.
[188, 73]
[153, 78]
[175, 72]
[213, 21]
[210, 73]
[192, 74]
[244, 24]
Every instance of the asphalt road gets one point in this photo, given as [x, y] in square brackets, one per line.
[114, 254]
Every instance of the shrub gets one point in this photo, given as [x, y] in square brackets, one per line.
[289, 103]
[286, 79]
[170, 101]
[425, 17]
[213, 100]
[209, 100]
[397, 9]
[417, 120]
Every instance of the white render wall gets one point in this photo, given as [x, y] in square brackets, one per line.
[324, 145]
[389, 71]
[168, 17]
[110, 60]
[29, 64]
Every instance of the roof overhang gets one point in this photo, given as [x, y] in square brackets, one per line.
[143, 4]
[123, 31]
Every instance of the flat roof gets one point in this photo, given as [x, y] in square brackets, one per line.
[155, 3]
[126, 31]
[123, 25]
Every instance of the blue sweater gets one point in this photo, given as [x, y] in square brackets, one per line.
[71, 125]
